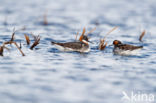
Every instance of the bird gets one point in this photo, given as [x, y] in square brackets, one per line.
[79, 46]
[124, 49]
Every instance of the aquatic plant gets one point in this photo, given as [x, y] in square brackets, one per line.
[103, 44]
[36, 42]
[27, 39]
[83, 33]
[142, 35]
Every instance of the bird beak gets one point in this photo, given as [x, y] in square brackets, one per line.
[91, 42]
[110, 45]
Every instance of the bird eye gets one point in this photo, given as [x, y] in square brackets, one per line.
[115, 42]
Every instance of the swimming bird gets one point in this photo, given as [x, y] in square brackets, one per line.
[124, 49]
[80, 46]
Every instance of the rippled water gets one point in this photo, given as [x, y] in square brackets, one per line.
[46, 75]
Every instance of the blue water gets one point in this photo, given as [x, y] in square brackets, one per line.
[46, 75]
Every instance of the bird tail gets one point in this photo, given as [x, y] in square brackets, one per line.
[139, 47]
[52, 42]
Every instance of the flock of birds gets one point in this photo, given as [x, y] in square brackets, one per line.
[80, 45]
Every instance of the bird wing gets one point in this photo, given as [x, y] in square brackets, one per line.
[129, 47]
[73, 45]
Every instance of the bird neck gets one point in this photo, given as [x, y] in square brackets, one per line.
[85, 42]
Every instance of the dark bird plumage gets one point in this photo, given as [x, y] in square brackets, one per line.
[120, 45]
[72, 45]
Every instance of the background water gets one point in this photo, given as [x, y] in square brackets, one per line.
[46, 75]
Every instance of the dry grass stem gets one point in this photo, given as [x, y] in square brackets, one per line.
[27, 39]
[12, 42]
[13, 35]
[19, 49]
[142, 35]
[77, 35]
[1, 50]
[91, 31]
[33, 36]
[102, 44]
[37, 39]
[84, 30]
[110, 31]
[45, 21]
[20, 45]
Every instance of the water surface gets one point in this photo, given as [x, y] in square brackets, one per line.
[46, 75]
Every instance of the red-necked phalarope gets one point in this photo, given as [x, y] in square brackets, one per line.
[80, 46]
[124, 49]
